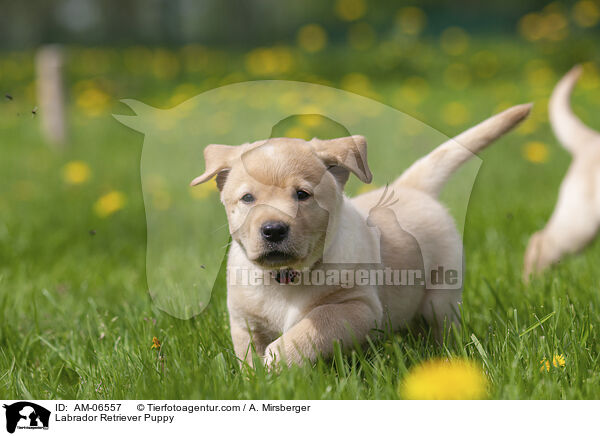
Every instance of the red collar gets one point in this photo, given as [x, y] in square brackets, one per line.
[286, 276]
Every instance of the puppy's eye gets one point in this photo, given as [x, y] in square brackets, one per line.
[248, 198]
[302, 195]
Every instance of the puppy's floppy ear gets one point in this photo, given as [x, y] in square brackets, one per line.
[344, 155]
[217, 159]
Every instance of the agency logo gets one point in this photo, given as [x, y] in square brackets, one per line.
[26, 415]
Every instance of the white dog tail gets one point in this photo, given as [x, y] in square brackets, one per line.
[431, 172]
[570, 131]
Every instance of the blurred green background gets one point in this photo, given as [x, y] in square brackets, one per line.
[75, 316]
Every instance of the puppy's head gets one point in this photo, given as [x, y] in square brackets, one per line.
[281, 195]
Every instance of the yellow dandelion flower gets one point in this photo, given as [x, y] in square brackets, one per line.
[109, 204]
[456, 379]
[536, 152]
[155, 343]
[545, 365]
[558, 361]
[76, 172]
[350, 10]
[312, 38]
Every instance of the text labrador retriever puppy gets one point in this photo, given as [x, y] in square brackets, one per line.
[292, 226]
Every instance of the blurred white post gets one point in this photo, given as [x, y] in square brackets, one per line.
[50, 94]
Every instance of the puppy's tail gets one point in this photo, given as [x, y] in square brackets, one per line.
[570, 131]
[431, 172]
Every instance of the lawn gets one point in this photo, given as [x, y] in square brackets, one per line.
[76, 319]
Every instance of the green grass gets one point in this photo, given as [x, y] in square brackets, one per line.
[76, 320]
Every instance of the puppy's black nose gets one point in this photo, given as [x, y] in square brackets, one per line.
[274, 231]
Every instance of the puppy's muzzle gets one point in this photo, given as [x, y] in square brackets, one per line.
[274, 231]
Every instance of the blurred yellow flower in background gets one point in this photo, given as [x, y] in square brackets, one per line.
[203, 190]
[312, 38]
[558, 361]
[269, 61]
[455, 114]
[350, 10]
[91, 99]
[411, 20]
[536, 152]
[357, 83]
[311, 117]
[455, 379]
[586, 13]
[454, 40]
[109, 204]
[551, 24]
[297, 132]
[76, 172]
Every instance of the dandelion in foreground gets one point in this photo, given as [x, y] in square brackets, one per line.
[558, 361]
[456, 379]
[155, 343]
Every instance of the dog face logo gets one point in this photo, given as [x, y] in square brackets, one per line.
[26, 415]
[303, 147]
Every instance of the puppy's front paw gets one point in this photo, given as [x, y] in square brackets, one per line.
[273, 355]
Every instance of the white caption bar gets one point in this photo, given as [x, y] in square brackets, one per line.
[295, 417]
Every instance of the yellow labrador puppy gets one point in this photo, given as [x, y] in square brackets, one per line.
[576, 217]
[300, 266]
